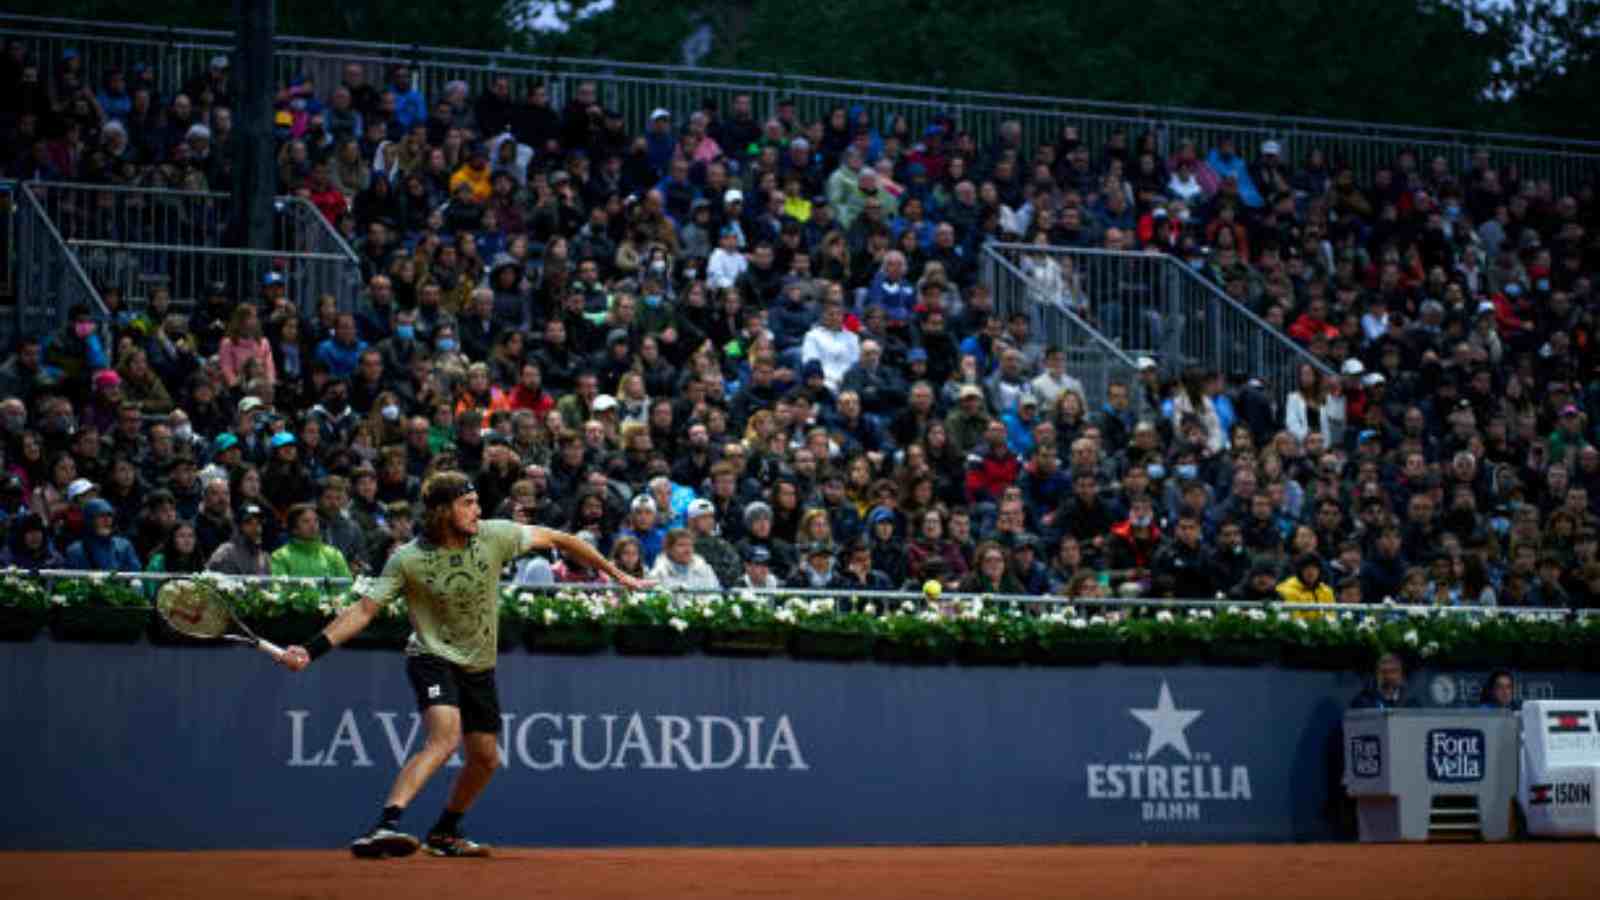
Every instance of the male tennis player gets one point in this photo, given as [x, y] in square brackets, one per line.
[450, 581]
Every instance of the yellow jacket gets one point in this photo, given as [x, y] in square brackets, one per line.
[482, 187]
[1292, 590]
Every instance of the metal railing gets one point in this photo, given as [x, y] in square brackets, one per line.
[890, 599]
[141, 239]
[1092, 358]
[1152, 304]
[49, 278]
[635, 88]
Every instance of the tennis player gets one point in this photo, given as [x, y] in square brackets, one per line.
[450, 581]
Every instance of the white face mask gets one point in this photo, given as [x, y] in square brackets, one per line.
[391, 412]
[183, 433]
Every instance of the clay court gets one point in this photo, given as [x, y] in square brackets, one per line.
[1449, 872]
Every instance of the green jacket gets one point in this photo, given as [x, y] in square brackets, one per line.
[309, 559]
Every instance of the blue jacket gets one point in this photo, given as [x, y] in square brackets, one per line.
[1240, 171]
[896, 297]
[113, 554]
[789, 323]
[409, 107]
[340, 360]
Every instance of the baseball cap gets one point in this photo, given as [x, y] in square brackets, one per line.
[917, 354]
[224, 442]
[660, 113]
[617, 335]
[732, 195]
[96, 508]
[250, 511]
[281, 439]
[220, 61]
[107, 378]
[970, 390]
[879, 514]
[272, 278]
[604, 402]
[1143, 363]
[757, 554]
[643, 501]
[819, 548]
[1027, 399]
[78, 488]
[249, 403]
[701, 507]
[757, 510]
[1271, 147]
[1352, 367]
[1569, 410]
[1373, 379]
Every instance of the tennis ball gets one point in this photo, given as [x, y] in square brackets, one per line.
[932, 588]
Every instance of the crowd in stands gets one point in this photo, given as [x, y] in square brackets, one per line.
[734, 346]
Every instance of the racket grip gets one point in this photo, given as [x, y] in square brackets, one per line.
[269, 648]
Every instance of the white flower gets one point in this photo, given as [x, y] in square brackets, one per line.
[1367, 624]
[550, 616]
[1207, 615]
[738, 611]
[1429, 649]
[1234, 610]
[1079, 623]
[1256, 615]
[678, 624]
[1302, 624]
[785, 616]
[1411, 637]
[1347, 616]
[1388, 603]
[1097, 620]
[58, 600]
[1164, 616]
[870, 609]
[930, 616]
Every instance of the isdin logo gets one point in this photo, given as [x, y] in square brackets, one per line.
[544, 741]
[1168, 779]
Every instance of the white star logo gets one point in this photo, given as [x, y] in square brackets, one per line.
[1166, 723]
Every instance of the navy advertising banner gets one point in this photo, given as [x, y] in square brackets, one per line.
[151, 747]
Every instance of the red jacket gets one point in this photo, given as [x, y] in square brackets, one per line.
[989, 475]
[1128, 551]
[1305, 328]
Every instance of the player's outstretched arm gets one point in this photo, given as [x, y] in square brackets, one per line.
[349, 623]
[573, 547]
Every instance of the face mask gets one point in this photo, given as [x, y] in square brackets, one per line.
[183, 433]
[1141, 521]
[391, 412]
[1513, 290]
[446, 345]
[690, 273]
[83, 329]
[1197, 264]
[1543, 285]
[1157, 471]
[1187, 470]
[405, 332]
[652, 300]
[1452, 211]
[658, 266]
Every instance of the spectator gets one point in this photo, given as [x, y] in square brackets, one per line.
[101, 549]
[680, 567]
[1305, 585]
[1388, 687]
[1499, 691]
[305, 555]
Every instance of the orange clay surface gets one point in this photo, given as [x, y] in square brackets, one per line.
[1344, 871]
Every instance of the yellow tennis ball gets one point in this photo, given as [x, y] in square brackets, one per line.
[932, 588]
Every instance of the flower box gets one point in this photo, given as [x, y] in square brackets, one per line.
[744, 642]
[383, 633]
[983, 653]
[1057, 652]
[654, 640]
[1243, 651]
[100, 624]
[569, 639]
[21, 623]
[920, 650]
[810, 643]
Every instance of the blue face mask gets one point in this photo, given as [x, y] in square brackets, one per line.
[1452, 211]
[1543, 285]
[1156, 471]
[446, 345]
[1197, 264]
[405, 332]
[652, 300]
[1187, 471]
[1513, 290]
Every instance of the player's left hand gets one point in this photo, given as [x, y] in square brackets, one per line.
[636, 584]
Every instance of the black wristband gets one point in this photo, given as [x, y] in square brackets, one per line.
[318, 645]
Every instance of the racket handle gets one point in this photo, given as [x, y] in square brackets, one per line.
[270, 649]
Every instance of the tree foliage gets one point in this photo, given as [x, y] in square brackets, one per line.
[1530, 65]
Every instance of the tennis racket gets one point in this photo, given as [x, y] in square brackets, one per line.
[197, 609]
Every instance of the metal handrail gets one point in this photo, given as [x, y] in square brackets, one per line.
[992, 252]
[25, 190]
[1194, 278]
[310, 213]
[222, 41]
[94, 244]
[1386, 608]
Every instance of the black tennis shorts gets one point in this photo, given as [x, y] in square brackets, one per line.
[441, 683]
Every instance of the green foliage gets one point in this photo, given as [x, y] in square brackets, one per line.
[97, 590]
[19, 590]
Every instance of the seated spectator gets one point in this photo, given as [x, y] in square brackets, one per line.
[1388, 688]
[101, 549]
[680, 567]
[306, 556]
